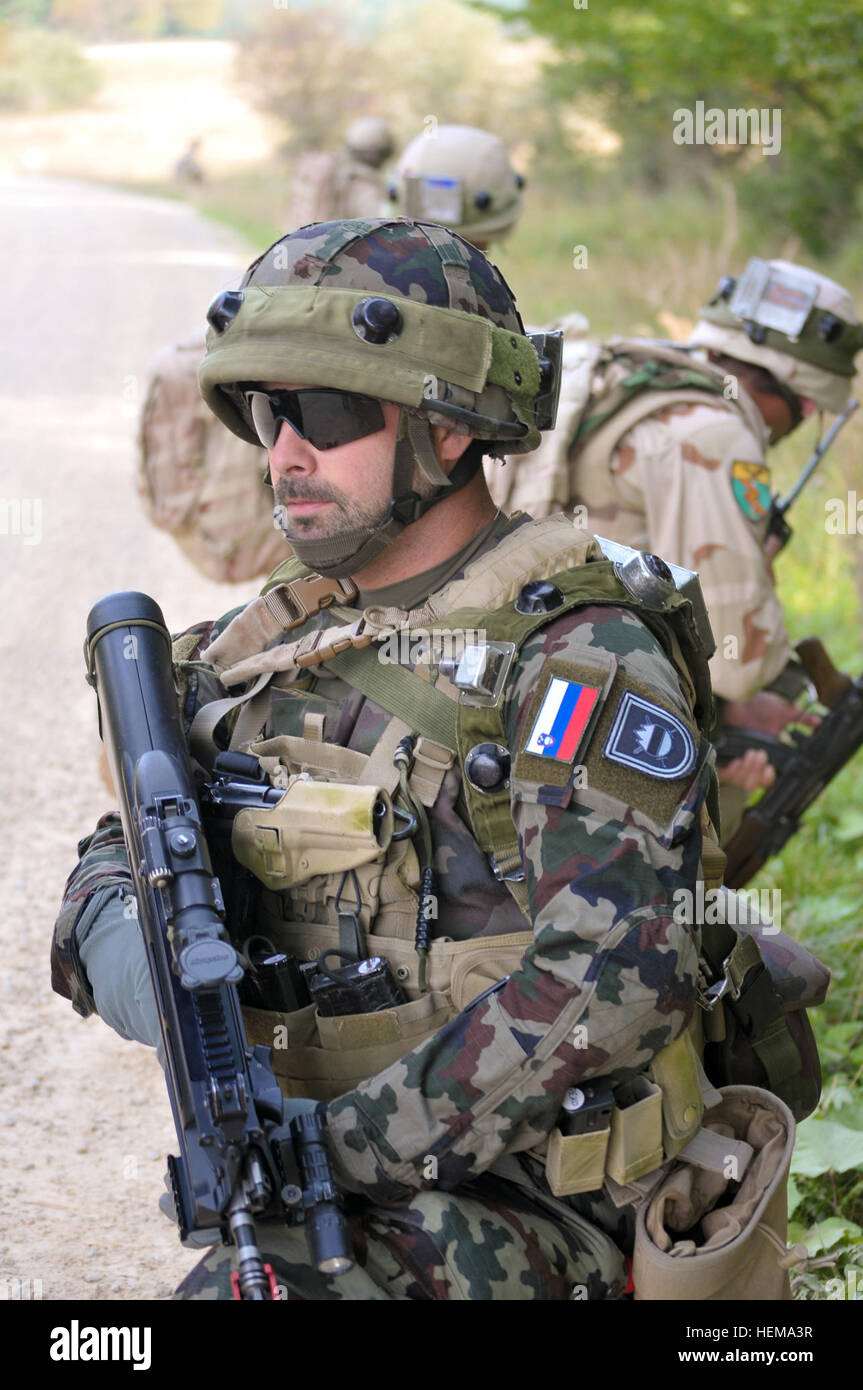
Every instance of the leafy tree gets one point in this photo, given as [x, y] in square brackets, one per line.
[309, 68]
[645, 62]
[24, 11]
[438, 58]
[317, 67]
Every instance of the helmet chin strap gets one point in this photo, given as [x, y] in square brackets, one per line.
[340, 556]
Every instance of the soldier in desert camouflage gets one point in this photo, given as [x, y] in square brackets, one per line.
[554, 776]
[199, 482]
[326, 186]
[462, 177]
[665, 452]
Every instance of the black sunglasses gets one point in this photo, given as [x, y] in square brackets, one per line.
[324, 417]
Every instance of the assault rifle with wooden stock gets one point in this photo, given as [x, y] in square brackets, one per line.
[238, 1160]
[803, 766]
[807, 762]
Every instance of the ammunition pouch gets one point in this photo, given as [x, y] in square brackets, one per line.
[749, 1037]
[322, 1057]
[655, 1116]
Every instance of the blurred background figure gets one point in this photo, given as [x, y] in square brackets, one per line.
[349, 183]
[188, 168]
[462, 177]
[198, 481]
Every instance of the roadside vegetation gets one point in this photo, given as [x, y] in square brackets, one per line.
[43, 71]
[634, 233]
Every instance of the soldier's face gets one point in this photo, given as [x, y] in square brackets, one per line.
[323, 493]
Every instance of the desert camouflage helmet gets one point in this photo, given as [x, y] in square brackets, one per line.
[397, 310]
[459, 176]
[799, 325]
[370, 139]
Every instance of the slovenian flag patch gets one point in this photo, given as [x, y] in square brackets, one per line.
[563, 717]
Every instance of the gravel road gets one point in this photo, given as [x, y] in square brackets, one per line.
[95, 282]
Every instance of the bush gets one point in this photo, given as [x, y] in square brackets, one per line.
[40, 71]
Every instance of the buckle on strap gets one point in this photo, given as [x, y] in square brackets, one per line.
[291, 604]
[708, 998]
[507, 868]
[332, 641]
[743, 957]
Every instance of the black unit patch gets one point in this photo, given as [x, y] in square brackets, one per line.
[650, 739]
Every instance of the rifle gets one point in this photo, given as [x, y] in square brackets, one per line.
[237, 1159]
[777, 525]
[804, 765]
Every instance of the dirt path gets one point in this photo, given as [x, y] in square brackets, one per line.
[95, 282]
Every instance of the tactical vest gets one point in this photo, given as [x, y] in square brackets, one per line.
[606, 390]
[325, 1057]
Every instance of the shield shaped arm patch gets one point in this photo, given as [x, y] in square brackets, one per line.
[650, 739]
[750, 483]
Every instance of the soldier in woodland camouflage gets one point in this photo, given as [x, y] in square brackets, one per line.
[559, 813]
[195, 479]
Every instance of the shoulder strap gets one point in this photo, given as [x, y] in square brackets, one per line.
[635, 371]
[633, 366]
[399, 691]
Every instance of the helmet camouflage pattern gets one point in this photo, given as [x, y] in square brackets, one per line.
[799, 325]
[455, 346]
[397, 310]
[462, 177]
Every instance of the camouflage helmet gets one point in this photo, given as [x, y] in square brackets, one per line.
[462, 177]
[370, 139]
[799, 325]
[401, 311]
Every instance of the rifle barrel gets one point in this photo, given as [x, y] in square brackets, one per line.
[783, 503]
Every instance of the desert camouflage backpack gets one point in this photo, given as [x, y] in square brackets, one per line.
[600, 383]
[327, 187]
[198, 481]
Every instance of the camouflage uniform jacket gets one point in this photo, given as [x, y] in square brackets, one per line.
[691, 482]
[609, 979]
